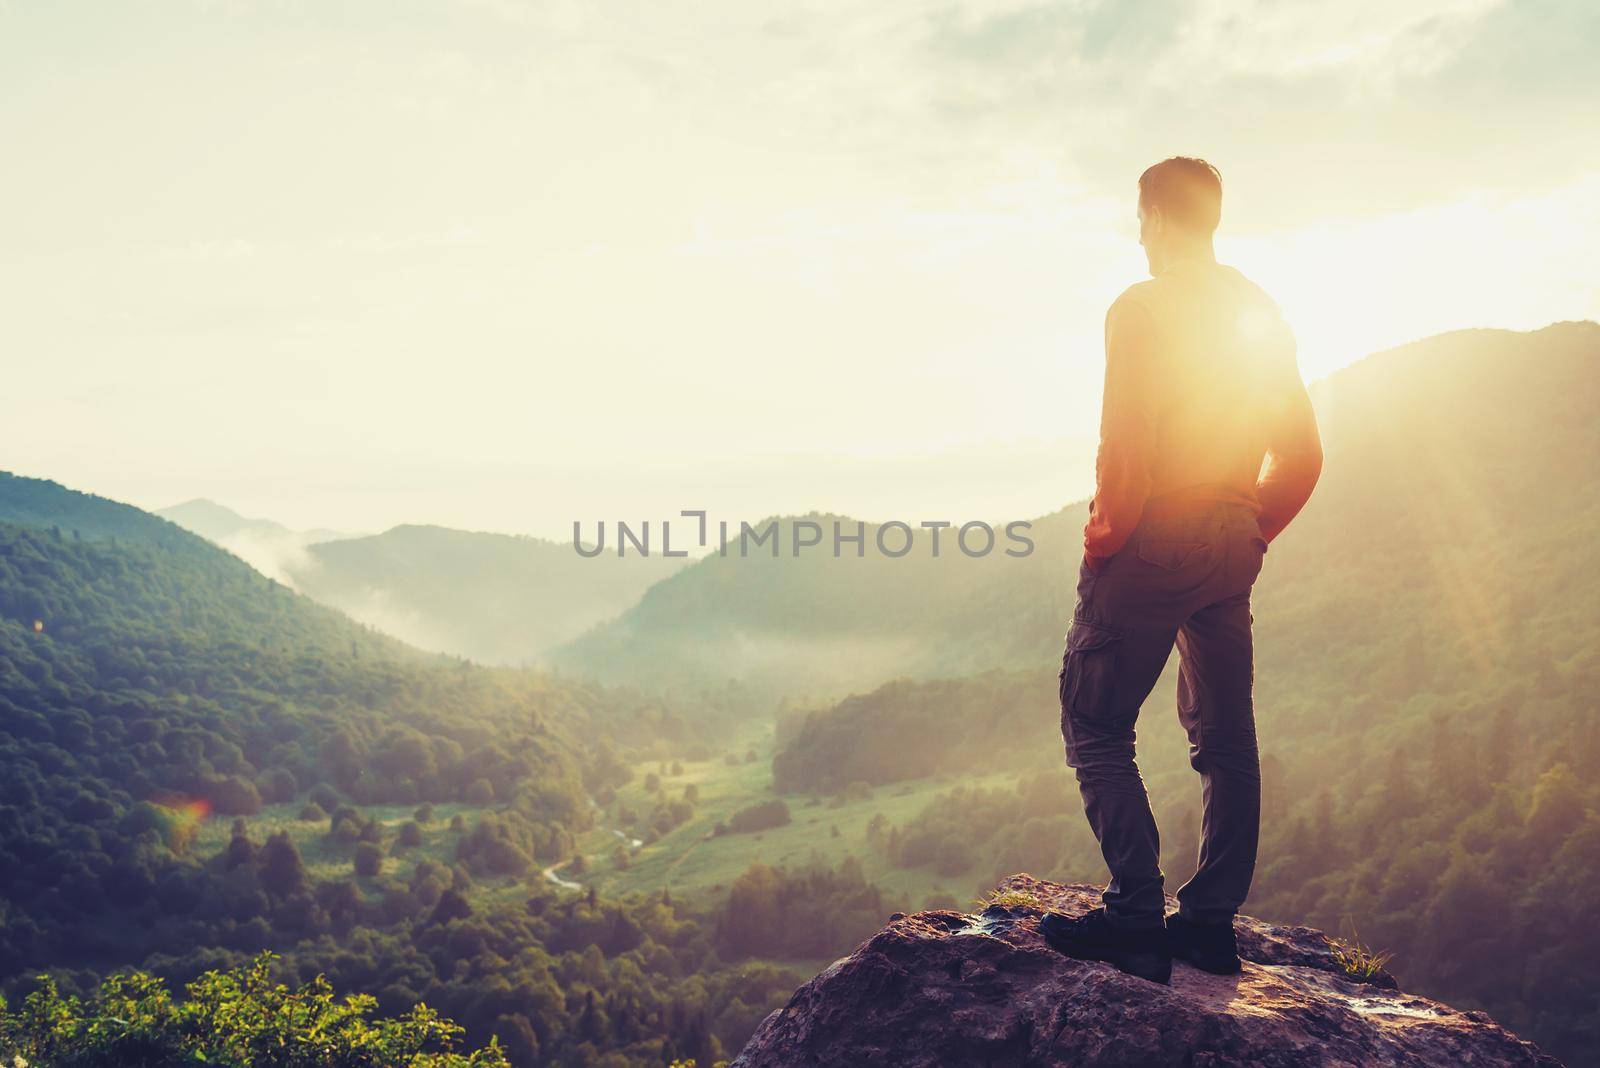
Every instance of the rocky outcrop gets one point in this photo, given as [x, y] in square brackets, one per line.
[955, 990]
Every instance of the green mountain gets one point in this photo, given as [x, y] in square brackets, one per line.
[491, 597]
[390, 810]
[148, 671]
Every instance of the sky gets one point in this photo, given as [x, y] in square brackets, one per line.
[504, 265]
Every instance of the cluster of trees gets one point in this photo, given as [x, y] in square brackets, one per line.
[667, 814]
[816, 911]
[233, 1017]
[511, 843]
[986, 834]
[908, 730]
[558, 978]
[761, 816]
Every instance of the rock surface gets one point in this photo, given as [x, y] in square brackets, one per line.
[948, 989]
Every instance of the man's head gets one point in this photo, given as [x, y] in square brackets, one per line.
[1180, 204]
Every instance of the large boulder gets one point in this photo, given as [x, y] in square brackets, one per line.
[951, 989]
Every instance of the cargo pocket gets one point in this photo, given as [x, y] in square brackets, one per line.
[1088, 672]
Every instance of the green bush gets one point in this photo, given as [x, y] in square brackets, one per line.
[761, 816]
[368, 860]
[238, 1018]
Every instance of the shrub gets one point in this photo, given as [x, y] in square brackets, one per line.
[761, 816]
[233, 796]
[368, 860]
[858, 790]
[234, 1017]
[277, 785]
[281, 871]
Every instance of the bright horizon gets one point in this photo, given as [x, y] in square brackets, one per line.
[500, 266]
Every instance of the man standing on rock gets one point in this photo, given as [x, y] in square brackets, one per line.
[1201, 386]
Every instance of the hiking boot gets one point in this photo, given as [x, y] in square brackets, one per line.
[1211, 947]
[1092, 937]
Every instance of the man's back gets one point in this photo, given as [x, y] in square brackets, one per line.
[1225, 353]
[1201, 385]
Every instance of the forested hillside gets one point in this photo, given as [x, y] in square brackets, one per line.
[810, 623]
[152, 686]
[41, 503]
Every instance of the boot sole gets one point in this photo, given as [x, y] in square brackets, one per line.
[1154, 967]
[1151, 966]
[1215, 967]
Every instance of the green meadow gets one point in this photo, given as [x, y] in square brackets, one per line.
[689, 861]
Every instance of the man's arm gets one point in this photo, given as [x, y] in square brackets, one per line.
[1127, 429]
[1294, 456]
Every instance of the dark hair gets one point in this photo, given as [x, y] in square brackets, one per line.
[1186, 190]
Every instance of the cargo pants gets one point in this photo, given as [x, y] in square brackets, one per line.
[1182, 579]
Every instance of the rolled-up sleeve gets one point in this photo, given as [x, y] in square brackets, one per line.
[1128, 414]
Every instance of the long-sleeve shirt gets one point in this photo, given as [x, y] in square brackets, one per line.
[1201, 385]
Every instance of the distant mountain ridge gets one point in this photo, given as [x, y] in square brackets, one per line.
[493, 598]
[270, 547]
[215, 522]
[219, 523]
[496, 598]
